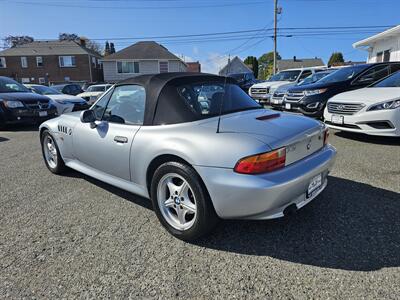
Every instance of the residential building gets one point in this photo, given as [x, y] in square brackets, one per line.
[296, 63]
[235, 66]
[145, 57]
[47, 62]
[194, 67]
[382, 47]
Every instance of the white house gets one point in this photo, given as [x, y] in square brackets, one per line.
[146, 57]
[384, 46]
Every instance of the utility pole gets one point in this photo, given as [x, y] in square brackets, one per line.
[275, 39]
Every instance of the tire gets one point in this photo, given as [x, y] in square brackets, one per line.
[172, 198]
[52, 157]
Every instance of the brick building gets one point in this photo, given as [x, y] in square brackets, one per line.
[47, 62]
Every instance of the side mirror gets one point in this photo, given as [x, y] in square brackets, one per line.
[88, 116]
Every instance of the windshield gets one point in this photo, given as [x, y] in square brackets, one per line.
[241, 77]
[285, 76]
[209, 99]
[391, 81]
[343, 74]
[44, 90]
[98, 88]
[57, 87]
[314, 78]
[7, 85]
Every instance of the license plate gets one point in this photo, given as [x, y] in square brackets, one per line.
[337, 119]
[314, 185]
[42, 113]
[288, 106]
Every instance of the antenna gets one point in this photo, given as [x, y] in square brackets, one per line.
[223, 98]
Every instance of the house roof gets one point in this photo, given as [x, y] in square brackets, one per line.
[394, 31]
[235, 60]
[284, 64]
[143, 50]
[48, 48]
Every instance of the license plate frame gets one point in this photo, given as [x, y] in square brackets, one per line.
[43, 113]
[288, 106]
[314, 186]
[337, 119]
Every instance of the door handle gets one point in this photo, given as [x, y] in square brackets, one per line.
[121, 139]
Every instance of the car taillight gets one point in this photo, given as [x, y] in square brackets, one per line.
[326, 136]
[262, 163]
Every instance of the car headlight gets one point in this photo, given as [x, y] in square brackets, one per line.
[385, 105]
[13, 103]
[314, 92]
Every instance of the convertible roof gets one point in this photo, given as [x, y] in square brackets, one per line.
[154, 85]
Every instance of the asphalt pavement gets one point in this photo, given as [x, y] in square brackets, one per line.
[72, 236]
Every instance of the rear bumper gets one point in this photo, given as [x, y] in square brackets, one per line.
[265, 196]
[380, 123]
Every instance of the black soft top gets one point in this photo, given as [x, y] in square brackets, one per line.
[164, 105]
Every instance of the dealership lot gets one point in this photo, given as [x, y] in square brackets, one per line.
[72, 236]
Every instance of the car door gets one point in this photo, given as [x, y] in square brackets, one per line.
[120, 114]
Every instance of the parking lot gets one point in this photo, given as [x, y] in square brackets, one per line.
[75, 237]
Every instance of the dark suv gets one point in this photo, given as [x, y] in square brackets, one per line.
[245, 80]
[19, 105]
[68, 88]
[311, 99]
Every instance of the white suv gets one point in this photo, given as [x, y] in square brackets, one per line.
[262, 91]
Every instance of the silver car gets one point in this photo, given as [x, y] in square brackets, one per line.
[230, 159]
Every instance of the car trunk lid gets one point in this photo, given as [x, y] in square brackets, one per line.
[301, 136]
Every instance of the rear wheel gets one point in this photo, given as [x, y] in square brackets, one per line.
[51, 153]
[181, 201]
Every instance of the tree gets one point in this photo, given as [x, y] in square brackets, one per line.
[252, 62]
[68, 37]
[266, 61]
[268, 58]
[112, 48]
[107, 49]
[336, 59]
[12, 41]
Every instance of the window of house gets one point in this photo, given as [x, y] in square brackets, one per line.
[25, 80]
[128, 67]
[94, 61]
[163, 66]
[3, 62]
[67, 61]
[39, 61]
[24, 62]
[386, 55]
[42, 80]
[379, 57]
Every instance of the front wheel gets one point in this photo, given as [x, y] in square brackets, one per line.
[181, 201]
[51, 153]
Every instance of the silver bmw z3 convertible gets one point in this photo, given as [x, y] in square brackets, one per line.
[196, 145]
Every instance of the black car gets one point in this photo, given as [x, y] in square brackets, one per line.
[311, 99]
[244, 80]
[19, 105]
[68, 88]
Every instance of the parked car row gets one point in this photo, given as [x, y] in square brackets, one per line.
[360, 98]
[34, 103]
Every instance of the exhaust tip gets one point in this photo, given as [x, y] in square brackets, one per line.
[290, 210]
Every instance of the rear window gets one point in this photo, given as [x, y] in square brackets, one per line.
[210, 99]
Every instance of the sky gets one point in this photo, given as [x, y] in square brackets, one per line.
[136, 19]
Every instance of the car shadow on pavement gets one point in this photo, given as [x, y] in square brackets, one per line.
[380, 140]
[3, 139]
[146, 203]
[350, 226]
[20, 127]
